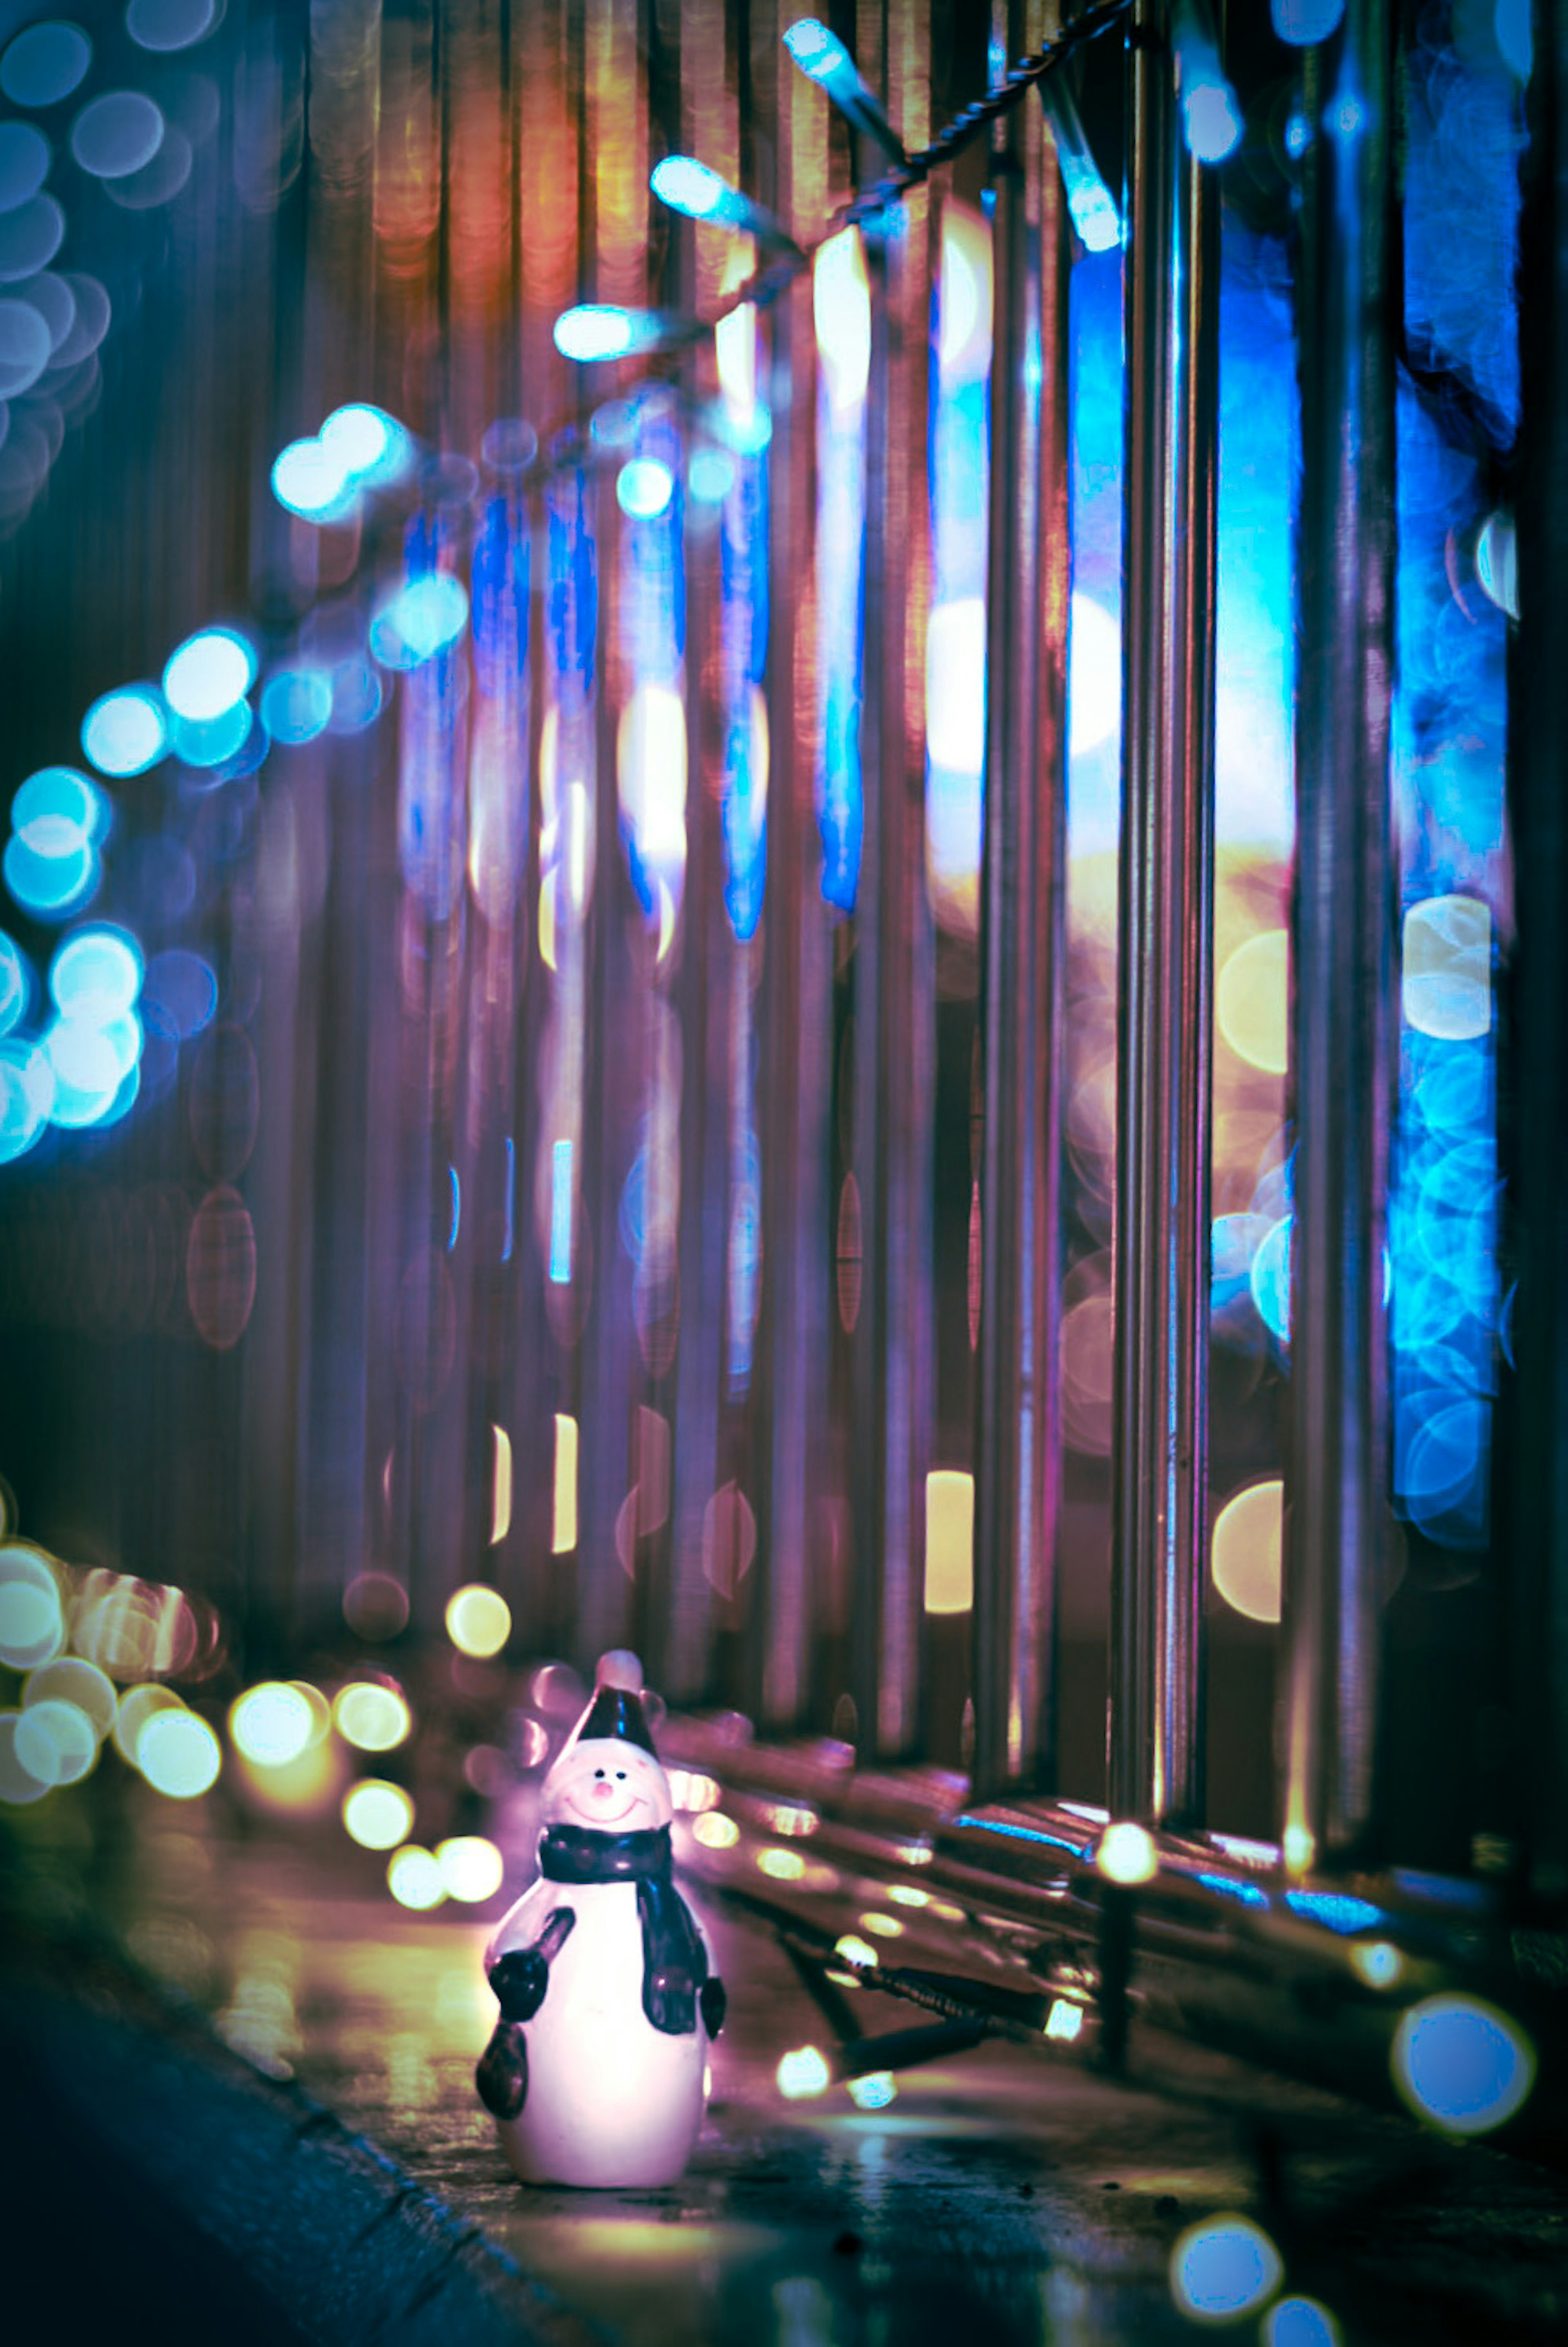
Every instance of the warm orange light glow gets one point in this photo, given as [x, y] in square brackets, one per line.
[948, 1542]
[563, 1532]
[500, 1496]
[1252, 1001]
[377, 1815]
[371, 1715]
[1244, 1550]
[478, 1620]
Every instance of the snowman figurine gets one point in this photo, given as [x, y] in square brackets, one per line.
[597, 2072]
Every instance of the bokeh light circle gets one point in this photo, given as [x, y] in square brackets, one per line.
[375, 1605]
[77, 1106]
[472, 1868]
[709, 477]
[125, 732]
[16, 983]
[421, 619]
[1461, 2064]
[56, 303]
[45, 64]
[1302, 23]
[644, 489]
[91, 323]
[1224, 2269]
[71, 1680]
[371, 1715]
[26, 1095]
[309, 480]
[179, 994]
[210, 742]
[56, 809]
[1244, 1550]
[376, 1814]
[209, 673]
[802, 2073]
[510, 445]
[25, 347]
[116, 134]
[18, 1785]
[478, 1620]
[30, 236]
[1446, 975]
[1301, 2322]
[272, 1723]
[96, 973]
[56, 1741]
[357, 697]
[1251, 1001]
[25, 160]
[1271, 1279]
[52, 887]
[31, 1618]
[370, 446]
[136, 1706]
[163, 25]
[179, 1754]
[1126, 1853]
[296, 705]
[414, 1877]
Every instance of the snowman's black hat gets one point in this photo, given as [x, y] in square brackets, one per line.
[616, 1707]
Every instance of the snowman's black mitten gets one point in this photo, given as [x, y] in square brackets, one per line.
[520, 1977]
[520, 1980]
[714, 2004]
[501, 2076]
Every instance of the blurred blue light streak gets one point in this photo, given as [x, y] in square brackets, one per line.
[560, 1213]
[843, 336]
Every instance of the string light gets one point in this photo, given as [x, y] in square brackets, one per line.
[691, 188]
[823, 56]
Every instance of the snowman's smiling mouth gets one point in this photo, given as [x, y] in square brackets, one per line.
[594, 1813]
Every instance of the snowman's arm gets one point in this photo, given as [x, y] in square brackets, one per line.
[521, 1976]
[712, 1996]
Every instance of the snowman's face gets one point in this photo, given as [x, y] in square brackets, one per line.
[609, 1784]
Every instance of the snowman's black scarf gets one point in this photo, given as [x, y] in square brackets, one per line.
[674, 1966]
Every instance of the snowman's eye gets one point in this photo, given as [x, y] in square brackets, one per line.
[598, 1772]
[621, 1775]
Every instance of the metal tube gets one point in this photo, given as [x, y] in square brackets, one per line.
[1343, 949]
[1531, 1485]
[1017, 1438]
[894, 1021]
[793, 1004]
[1159, 1444]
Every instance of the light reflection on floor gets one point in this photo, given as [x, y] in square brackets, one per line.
[1004, 2197]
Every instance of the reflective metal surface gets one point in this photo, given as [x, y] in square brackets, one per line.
[1160, 1282]
[1017, 1427]
[1531, 1496]
[1337, 1538]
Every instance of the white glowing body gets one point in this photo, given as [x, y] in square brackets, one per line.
[612, 2101]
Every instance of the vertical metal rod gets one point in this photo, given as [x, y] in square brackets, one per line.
[794, 999]
[1018, 1436]
[878, 1493]
[894, 1013]
[1343, 949]
[794, 1012]
[678, 1598]
[1532, 1464]
[1159, 1444]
